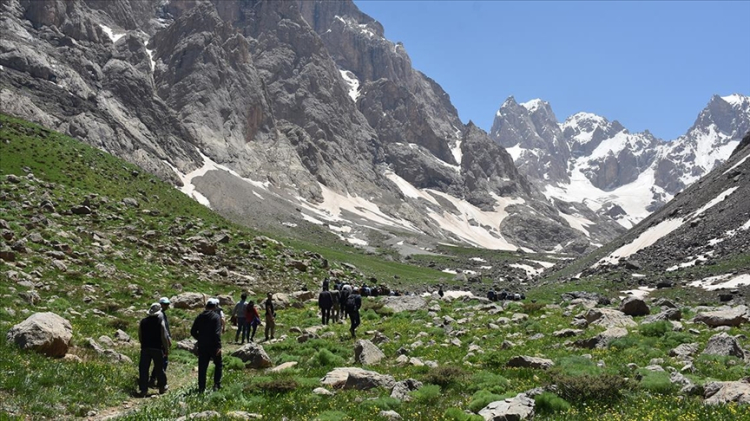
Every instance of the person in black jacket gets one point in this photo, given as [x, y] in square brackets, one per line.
[353, 303]
[154, 339]
[207, 331]
[164, 302]
[325, 302]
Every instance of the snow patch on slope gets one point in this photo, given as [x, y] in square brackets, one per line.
[110, 33]
[353, 83]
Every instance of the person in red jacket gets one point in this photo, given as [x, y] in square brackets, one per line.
[253, 318]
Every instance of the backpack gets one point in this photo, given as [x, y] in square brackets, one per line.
[351, 303]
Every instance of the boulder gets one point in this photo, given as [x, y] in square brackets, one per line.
[46, 333]
[603, 339]
[594, 296]
[723, 344]
[282, 367]
[608, 318]
[520, 407]
[530, 362]
[672, 314]
[367, 353]
[684, 350]
[717, 393]
[340, 378]
[189, 345]
[565, 333]
[404, 303]
[253, 355]
[401, 390]
[634, 306]
[189, 300]
[389, 415]
[728, 317]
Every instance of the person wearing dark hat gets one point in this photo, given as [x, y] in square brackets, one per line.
[270, 317]
[206, 330]
[325, 302]
[154, 339]
[164, 302]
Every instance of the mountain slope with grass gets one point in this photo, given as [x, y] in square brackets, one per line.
[96, 240]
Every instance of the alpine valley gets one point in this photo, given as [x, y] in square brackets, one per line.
[303, 119]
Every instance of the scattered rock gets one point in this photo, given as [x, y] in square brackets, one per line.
[608, 318]
[356, 378]
[367, 353]
[404, 303]
[322, 391]
[530, 362]
[46, 333]
[717, 393]
[634, 306]
[282, 367]
[603, 339]
[520, 407]
[390, 414]
[401, 390]
[189, 300]
[728, 317]
[242, 415]
[200, 416]
[723, 344]
[253, 355]
[684, 350]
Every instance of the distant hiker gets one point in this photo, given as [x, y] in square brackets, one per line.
[336, 309]
[253, 318]
[239, 315]
[164, 302]
[353, 303]
[491, 295]
[270, 317]
[326, 283]
[365, 291]
[337, 285]
[325, 302]
[346, 289]
[440, 291]
[503, 295]
[154, 339]
[206, 330]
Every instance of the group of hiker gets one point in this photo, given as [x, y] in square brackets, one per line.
[341, 302]
[156, 340]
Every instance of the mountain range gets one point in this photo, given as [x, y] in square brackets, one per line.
[302, 118]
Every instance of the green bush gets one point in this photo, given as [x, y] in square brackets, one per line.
[549, 403]
[655, 329]
[445, 376]
[331, 416]
[455, 414]
[428, 394]
[575, 365]
[481, 398]
[657, 382]
[604, 388]
[494, 360]
[279, 385]
[233, 363]
[385, 403]
[326, 358]
[533, 308]
[489, 381]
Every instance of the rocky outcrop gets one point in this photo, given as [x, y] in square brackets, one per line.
[254, 356]
[634, 306]
[46, 333]
[530, 362]
[367, 353]
[726, 317]
[608, 317]
[520, 407]
[717, 393]
[723, 344]
[356, 378]
[404, 303]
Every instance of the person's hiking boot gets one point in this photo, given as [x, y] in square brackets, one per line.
[152, 382]
[216, 387]
[141, 394]
[163, 389]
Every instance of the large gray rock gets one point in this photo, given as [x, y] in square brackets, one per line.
[356, 378]
[404, 303]
[603, 339]
[520, 407]
[725, 392]
[189, 300]
[723, 344]
[253, 355]
[46, 333]
[668, 314]
[402, 389]
[608, 317]
[530, 362]
[684, 350]
[634, 306]
[367, 353]
[728, 317]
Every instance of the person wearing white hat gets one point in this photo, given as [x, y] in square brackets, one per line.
[164, 302]
[207, 329]
[154, 339]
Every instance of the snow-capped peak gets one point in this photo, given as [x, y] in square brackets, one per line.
[584, 119]
[736, 100]
[533, 105]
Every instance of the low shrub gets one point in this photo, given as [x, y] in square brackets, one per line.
[455, 414]
[603, 388]
[428, 394]
[326, 358]
[445, 376]
[279, 385]
[576, 365]
[655, 329]
[533, 308]
[233, 363]
[481, 399]
[385, 403]
[549, 403]
[332, 416]
[489, 381]
[657, 382]
[494, 360]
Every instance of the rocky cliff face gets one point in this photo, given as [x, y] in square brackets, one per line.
[278, 114]
[596, 162]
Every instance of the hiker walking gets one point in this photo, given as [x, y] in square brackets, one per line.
[154, 339]
[336, 309]
[207, 329]
[440, 291]
[346, 289]
[270, 317]
[239, 314]
[325, 302]
[164, 302]
[253, 318]
[353, 303]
